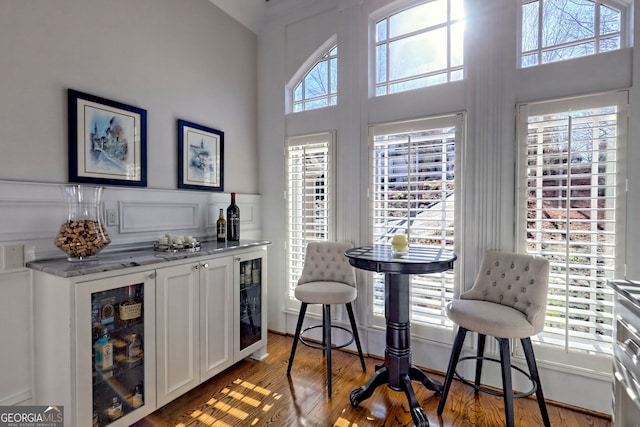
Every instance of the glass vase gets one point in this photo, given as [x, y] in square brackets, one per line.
[400, 245]
[82, 235]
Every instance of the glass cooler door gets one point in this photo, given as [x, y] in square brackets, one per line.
[250, 302]
[120, 354]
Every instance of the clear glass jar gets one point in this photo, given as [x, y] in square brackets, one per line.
[82, 236]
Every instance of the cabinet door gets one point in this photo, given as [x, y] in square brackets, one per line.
[178, 330]
[250, 295]
[115, 349]
[216, 315]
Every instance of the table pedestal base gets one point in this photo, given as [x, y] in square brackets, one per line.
[397, 371]
[381, 376]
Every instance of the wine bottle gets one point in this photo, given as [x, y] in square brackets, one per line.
[221, 226]
[233, 220]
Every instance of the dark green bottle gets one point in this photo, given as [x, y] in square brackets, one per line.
[233, 220]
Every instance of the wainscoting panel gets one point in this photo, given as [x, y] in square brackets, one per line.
[141, 217]
[16, 330]
[30, 219]
[31, 214]
[248, 214]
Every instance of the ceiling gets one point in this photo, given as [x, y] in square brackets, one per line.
[250, 13]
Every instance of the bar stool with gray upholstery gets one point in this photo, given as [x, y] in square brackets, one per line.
[327, 278]
[507, 301]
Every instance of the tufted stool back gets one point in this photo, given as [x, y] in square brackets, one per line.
[519, 281]
[326, 262]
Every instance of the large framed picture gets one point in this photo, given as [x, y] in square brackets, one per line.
[200, 157]
[107, 141]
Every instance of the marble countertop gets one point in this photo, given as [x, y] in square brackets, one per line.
[118, 260]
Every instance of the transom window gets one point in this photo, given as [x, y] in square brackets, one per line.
[421, 46]
[556, 30]
[571, 199]
[413, 168]
[319, 87]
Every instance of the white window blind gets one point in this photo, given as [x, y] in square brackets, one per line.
[309, 197]
[413, 167]
[572, 189]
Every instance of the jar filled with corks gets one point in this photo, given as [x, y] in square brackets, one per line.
[83, 235]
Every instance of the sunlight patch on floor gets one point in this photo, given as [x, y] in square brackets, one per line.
[343, 422]
[242, 400]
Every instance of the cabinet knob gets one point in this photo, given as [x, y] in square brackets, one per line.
[238, 259]
[196, 267]
[152, 275]
[205, 265]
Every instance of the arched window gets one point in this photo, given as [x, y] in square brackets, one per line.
[319, 87]
[556, 30]
[420, 46]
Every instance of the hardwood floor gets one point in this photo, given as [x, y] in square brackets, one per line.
[253, 393]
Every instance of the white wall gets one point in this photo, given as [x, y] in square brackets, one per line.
[176, 59]
[488, 96]
[183, 59]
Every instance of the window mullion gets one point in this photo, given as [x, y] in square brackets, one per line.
[567, 228]
[540, 28]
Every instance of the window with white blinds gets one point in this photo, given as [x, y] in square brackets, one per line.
[571, 195]
[309, 197]
[413, 169]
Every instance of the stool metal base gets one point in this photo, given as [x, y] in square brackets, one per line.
[323, 347]
[493, 392]
[326, 346]
[506, 367]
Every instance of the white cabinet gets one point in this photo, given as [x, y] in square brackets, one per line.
[216, 317]
[194, 315]
[170, 325]
[210, 314]
[70, 316]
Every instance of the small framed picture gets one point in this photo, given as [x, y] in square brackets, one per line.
[107, 141]
[200, 157]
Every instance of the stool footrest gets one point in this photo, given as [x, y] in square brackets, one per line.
[490, 390]
[323, 347]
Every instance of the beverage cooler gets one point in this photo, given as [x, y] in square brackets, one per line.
[118, 352]
[251, 315]
[116, 339]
